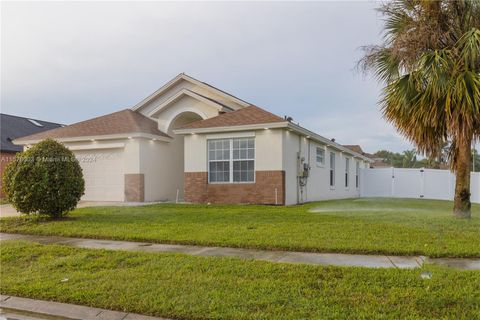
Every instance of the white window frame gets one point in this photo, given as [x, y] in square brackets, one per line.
[231, 160]
[347, 173]
[322, 163]
[222, 160]
[331, 171]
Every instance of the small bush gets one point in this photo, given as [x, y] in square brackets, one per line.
[45, 179]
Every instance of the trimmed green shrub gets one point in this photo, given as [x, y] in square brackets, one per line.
[45, 179]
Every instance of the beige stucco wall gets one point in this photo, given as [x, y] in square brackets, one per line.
[318, 182]
[195, 153]
[291, 145]
[156, 159]
[183, 104]
[156, 163]
[163, 162]
[159, 161]
[268, 149]
[276, 149]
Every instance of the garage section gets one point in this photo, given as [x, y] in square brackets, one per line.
[107, 147]
[103, 171]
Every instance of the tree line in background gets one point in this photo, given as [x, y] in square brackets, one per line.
[410, 159]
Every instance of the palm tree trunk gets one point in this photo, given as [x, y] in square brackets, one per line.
[462, 204]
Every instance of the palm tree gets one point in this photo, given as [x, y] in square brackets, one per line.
[439, 158]
[429, 63]
[409, 158]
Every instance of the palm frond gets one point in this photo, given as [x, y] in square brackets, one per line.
[430, 65]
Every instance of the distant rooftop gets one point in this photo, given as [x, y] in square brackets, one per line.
[356, 148]
[123, 121]
[12, 127]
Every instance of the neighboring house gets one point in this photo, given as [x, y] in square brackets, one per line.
[356, 148]
[12, 127]
[192, 142]
[376, 161]
[379, 162]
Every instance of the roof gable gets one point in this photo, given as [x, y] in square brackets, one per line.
[186, 92]
[121, 122]
[246, 116]
[13, 127]
[184, 77]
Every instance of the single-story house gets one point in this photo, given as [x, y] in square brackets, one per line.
[12, 127]
[189, 141]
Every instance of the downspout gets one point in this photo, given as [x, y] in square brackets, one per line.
[298, 167]
[308, 163]
[303, 170]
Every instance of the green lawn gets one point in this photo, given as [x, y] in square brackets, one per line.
[390, 226]
[187, 287]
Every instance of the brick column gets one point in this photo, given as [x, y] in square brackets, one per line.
[134, 187]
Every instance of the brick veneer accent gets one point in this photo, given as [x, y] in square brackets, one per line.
[134, 187]
[198, 190]
[5, 158]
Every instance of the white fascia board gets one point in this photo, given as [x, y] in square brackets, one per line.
[95, 146]
[272, 125]
[228, 135]
[157, 92]
[284, 124]
[102, 137]
[178, 95]
[326, 141]
[183, 76]
[220, 92]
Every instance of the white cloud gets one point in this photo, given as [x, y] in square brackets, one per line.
[69, 61]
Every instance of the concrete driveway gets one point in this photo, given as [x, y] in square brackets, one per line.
[6, 210]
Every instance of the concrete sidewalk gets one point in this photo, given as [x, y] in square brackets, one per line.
[336, 259]
[23, 308]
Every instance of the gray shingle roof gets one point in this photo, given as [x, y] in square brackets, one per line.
[245, 116]
[123, 121]
[12, 127]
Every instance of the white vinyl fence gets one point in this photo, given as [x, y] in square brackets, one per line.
[414, 183]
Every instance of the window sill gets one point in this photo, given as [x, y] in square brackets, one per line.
[239, 182]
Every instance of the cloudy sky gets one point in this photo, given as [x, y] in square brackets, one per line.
[70, 61]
